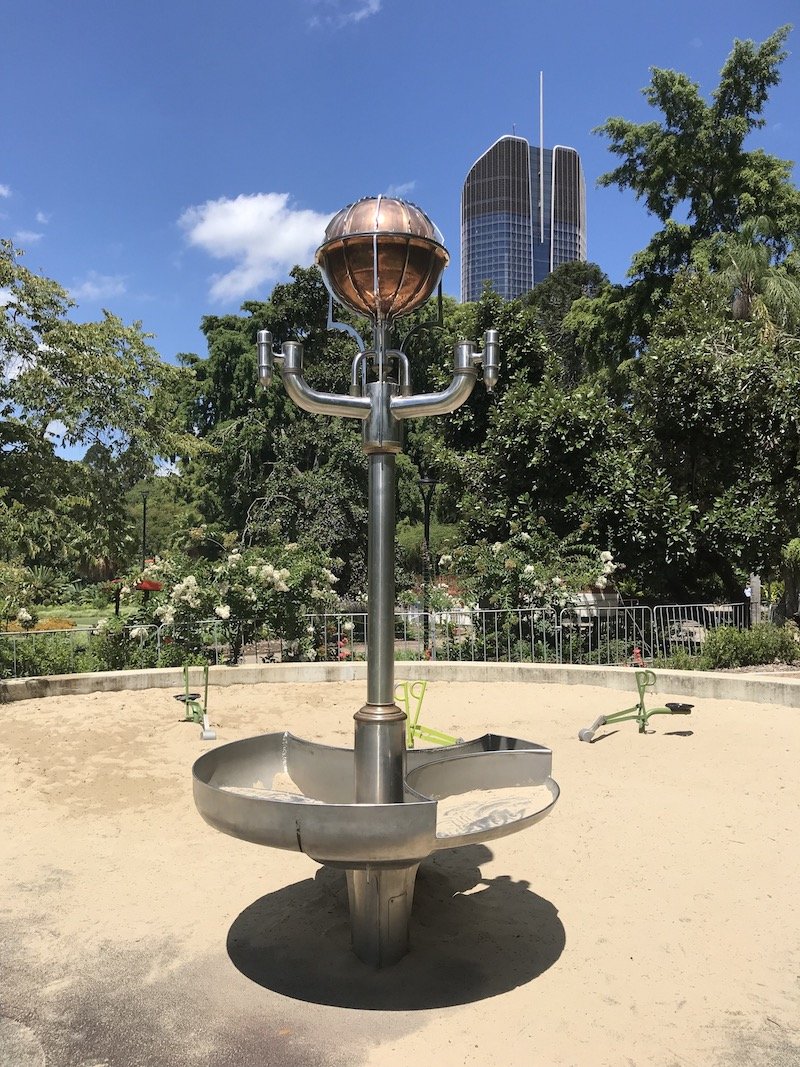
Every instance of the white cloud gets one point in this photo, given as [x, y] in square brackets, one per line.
[262, 233]
[401, 190]
[98, 286]
[339, 15]
[6, 297]
[42, 218]
[5, 190]
[27, 237]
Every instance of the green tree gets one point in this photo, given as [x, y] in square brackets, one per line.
[74, 384]
[762, 289]
[693, 172]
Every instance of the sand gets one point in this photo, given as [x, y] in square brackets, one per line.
[653, 918]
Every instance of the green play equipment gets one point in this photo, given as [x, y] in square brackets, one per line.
[644, 680]
[195, 710]
[409, 696]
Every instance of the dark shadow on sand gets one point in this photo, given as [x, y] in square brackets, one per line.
[602, 737]
[471, 938]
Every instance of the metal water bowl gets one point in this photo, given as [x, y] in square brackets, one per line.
[281, 791]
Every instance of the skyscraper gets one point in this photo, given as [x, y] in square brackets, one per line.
[523, 212]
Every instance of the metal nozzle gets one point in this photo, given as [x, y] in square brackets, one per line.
[491, 359]
[265, 357]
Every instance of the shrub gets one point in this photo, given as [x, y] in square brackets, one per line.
[764, 643]
[33, 656]
[681, 660]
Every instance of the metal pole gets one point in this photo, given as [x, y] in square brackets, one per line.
[380, 563]
[380, 738]
[427, 487]
[426, 559]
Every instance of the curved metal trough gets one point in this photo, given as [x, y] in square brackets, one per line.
[284, 792]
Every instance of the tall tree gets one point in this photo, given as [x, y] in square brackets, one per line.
[693, 172]
[74, 384]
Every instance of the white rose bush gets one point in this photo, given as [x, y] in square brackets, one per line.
[245, 594]
[533, 569]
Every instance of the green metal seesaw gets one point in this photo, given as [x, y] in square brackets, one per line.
[644, 680]
[196, 711]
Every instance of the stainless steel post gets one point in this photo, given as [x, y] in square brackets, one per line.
[407, 260]
[380, 739]
[380, 562]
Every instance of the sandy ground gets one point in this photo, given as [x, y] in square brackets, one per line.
[652, 919]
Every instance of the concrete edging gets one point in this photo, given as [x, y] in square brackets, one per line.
[757, 688]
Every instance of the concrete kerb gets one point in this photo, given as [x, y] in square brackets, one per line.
[757, 688]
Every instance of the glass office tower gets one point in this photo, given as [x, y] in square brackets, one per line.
[523, 212]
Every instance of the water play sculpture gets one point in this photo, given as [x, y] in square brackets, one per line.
[377, 810]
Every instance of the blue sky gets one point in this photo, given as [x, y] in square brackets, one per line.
[167, 159]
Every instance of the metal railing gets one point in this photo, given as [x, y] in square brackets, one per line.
[626, 634]
[684, 627]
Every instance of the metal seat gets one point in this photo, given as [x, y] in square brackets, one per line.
[409, 696]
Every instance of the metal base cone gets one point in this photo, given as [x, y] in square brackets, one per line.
[380, 909]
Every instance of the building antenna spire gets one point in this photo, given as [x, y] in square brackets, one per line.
[541, 156]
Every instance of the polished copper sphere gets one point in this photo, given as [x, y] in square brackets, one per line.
[382, 257]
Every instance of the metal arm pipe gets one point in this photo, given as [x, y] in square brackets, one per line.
[348, 407]
[403, 372]
[491, 359]
[464, 377]
[265, 357]
[357, 375]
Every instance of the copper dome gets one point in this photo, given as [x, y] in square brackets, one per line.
[382, 257]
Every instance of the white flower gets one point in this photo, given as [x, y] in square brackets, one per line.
[167, 615]
[252, 571]
[281, 587]
[524, 537]
[608, 567]
[234, 558]
[23, 615]
[558, 581]
[291, 546]
[529, 570]
[125, 590]
[223, 610]
[137, 631]
[224, 588]
[330, 576]
[310, 629]
[347, 626]
[497, 546]
[601, 582]
[445, 561]
[101, 627]
[606, 557]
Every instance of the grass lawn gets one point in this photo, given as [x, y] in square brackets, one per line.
[80, 614]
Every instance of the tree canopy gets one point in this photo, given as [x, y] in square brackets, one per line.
[654, 423]
[98, 386]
